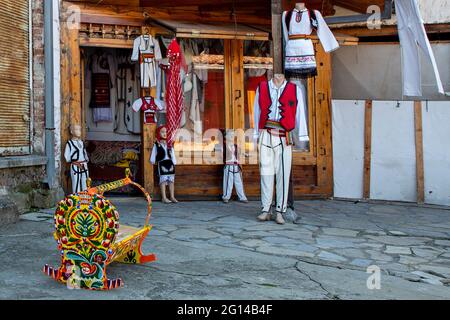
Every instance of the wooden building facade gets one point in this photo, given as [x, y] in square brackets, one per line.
[114, 24]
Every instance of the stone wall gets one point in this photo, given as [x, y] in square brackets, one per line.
[38, 104]
[21, 186]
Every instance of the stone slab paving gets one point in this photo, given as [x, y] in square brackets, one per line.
[211, 250]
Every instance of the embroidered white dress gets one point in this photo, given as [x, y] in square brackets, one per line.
[146, 50]
[300, 60]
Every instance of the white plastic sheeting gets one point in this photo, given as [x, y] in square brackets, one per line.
[393, 165]
[348, 148]
[436, 145]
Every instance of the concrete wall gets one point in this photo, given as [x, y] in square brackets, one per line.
[374, 72]
[435, 11]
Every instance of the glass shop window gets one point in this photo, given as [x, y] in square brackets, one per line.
[204, 96]
[258, 67]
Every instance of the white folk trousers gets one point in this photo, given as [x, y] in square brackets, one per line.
[275, 161]
[232, 175]
[148, 73]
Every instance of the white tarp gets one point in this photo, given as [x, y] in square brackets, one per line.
[348, 148]
[393, 165]
[436, 145]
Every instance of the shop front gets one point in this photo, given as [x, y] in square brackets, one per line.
[224, 63]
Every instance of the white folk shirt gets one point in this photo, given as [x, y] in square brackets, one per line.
[304, 27]
[275, 112]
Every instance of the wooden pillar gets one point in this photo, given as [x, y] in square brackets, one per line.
[277, 37]
[70, 90]
[367, 148]
[148, 133]
[419, 152]
[237, 80]
[322, 96]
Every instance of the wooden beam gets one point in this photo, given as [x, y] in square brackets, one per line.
[237, 80]
[228, 83]
[322, 97]
[106, 43]
[367, 148]
[65, 103]
[419, 152]
[277, 37]
[148, 136]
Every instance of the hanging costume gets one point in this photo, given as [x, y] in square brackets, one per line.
[300, 60]
[412, 36]
[232, 174]
[75, 154]
[146, 50]
[278, 111]
[150, 106]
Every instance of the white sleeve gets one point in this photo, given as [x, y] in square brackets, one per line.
[283, 23]
[153, 155]
[160, 104]
[67, 153]
[256, 112]
[135, 54]
[325, 35]
[172, 151]
[157, 50]
[137, 105]
[301, 122]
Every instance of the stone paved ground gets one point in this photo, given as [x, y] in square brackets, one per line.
[210, 250]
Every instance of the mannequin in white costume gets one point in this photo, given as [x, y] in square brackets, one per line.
[75, 154]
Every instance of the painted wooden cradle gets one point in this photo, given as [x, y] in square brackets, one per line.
[89, 238]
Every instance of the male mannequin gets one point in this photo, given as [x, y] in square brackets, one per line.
[278, 111]
[75, 154]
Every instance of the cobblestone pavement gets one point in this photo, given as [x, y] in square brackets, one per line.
[211, 250]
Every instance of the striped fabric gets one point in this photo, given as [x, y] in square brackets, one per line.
[174, 95]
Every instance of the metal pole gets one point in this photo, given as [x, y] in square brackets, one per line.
[49, 96]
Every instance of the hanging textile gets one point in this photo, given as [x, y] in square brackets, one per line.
[100, 80]
[174, 95]
[412, 36]
[126, 121]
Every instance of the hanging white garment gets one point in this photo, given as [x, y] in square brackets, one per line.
[300, 60]
[146, 50]
[412, 35]
[194, 112]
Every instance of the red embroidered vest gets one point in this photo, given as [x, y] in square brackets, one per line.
[288, 108]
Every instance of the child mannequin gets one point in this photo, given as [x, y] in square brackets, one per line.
[232, 172]
[75, 154]
[165, 160]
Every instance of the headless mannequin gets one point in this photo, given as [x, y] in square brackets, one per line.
[300, 6]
